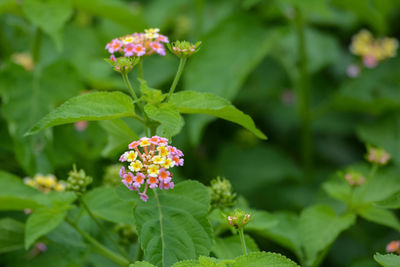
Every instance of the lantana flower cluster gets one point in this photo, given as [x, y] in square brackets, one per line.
[393, 247]
[138, 44]
[373, 50]
[149, 162]
[45, 183]
[377, 156]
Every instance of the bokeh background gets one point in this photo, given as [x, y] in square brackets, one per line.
[250, 55]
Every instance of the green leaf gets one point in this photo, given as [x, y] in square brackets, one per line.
[263, 259]
[339, 189]
[141, 264]
[171, 122]
[392, 202]
[230, 247]
[49, 15]
[203, 103]
[387, 260]
[202, 262]
[88, 107]
[230, 53]
[173, 225]
[41, 222]
[380, 216]
[283, 231]
[319, 226]
[119, 136]
[104, 203]
[11, 235]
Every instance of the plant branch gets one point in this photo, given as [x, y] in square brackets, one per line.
[128, 84]
[242, 241]
[177, 76]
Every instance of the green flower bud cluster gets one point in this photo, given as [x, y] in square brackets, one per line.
[123, 64]
[221, 193]
[127, 234]
[111, 175]
[377, 156]
[78, 181]
[184, 49]
[238, 218]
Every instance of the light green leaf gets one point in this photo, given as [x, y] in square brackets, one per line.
[203, 103]
[380, 216]
[339, 189]
[41, 222]
[104, 203]
[119, 136]
[171, 122]
[49, 15]
[202, 262]
[173, 225]
[263, 259]
[11, 235]
[387, 260]
[319, 226]
[230, 247]
[88, 107]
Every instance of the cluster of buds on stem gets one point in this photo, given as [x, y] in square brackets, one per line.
[393, 246]
[354, 178]
[45, 183]
[373, 50]
[238, 219]
[377, 155]
[221, 193]
[184, 49]
[78, 181]
[149, 161]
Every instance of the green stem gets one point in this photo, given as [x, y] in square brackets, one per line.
[128, 84]
[118, 259]
[139, 255]
[103, 229]
[177, 76]
[140, 69]
[242, 240]
[37, 41]
[304, 94]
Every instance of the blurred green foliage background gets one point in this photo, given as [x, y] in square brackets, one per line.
[250, 55]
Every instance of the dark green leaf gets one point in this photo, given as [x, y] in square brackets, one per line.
[171, 122]
[11, 235]
[230, 247]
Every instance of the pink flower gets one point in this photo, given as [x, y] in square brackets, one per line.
[112, 58]
[166, 185]
[164, 175]
[143, 197]
[122, 172]
[114, 46]
[353, 71]
[162, 38]
[133, 144]
[138, 180]
[152, 181]
[128, 179]
[158, 48]
[129, 50]
[139, 50]
[80, 126]
[370, 61]
[393, 246]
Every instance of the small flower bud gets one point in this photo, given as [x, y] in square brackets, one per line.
[377, 155]
[221, 193]
[78, 181]
[354, 178]
[122, 64]
[184, 49]
[238, 219]
[393, 246]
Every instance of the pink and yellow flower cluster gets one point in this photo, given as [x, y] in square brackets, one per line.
[149, 160]
[138, 44]
[373, 50]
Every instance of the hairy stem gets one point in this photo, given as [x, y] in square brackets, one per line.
[37, 41]
[242, 241]
[118, 259]
[177, 76]
[102, 228]
[304, 94]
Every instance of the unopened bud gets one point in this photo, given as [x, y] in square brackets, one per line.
[122, 64]
[78, 181]
[184, 49]
[221, 193]
[238, 219]
[354, 178]
[377, 155]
